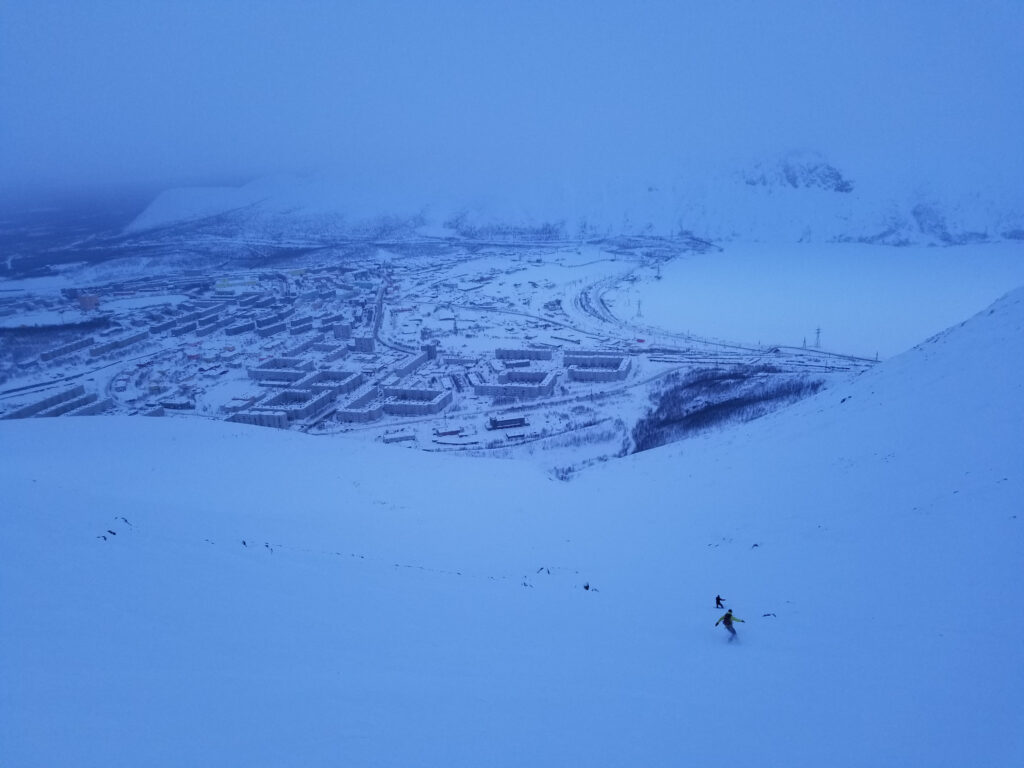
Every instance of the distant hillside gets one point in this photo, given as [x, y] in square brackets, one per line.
[796, 197]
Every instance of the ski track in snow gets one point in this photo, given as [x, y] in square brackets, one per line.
[257, 545]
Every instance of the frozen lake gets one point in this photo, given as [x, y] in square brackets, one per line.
[866, 300]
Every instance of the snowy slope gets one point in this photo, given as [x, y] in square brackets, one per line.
[795, 197]
[394, 608]
[278, 205]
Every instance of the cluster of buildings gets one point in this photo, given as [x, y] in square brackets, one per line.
[358, 389]
[71, 401]
[363, 387]
[295, 390]
[311, 347]
[265, 307]
[533, 373]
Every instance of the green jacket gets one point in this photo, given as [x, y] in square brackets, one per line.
[728, 618]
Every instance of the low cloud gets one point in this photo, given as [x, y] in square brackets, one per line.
[454, 98]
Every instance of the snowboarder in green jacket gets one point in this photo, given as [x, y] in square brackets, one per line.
[728, 619]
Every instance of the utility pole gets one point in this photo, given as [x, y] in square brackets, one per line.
[817, 338]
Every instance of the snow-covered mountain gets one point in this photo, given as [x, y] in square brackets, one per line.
[188, 592]
[796, 197]
[799, 171]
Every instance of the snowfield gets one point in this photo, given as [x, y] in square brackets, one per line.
[866, 300]
[183, 592]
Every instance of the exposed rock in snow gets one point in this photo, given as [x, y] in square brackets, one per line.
[799, 170]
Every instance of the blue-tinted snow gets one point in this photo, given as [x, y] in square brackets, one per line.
[187, 592]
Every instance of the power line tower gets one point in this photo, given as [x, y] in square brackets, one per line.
[817, 338]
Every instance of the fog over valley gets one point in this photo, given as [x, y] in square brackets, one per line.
[423, 103]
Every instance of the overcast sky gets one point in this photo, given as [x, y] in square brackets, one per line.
[106, 92]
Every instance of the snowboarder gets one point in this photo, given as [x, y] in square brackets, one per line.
[728, 619]
[718, 601]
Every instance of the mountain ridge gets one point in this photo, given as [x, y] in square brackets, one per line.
[795, 197]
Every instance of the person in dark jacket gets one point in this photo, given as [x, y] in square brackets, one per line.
[728, 619]
[718, 601]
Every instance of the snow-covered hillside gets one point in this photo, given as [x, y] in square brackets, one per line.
[182, 592]
[795, 197]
